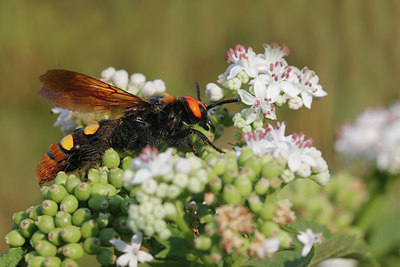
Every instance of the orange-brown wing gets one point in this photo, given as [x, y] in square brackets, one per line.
[79, 92]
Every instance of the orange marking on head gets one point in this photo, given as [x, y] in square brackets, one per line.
[91, 129]
[67, 142]
[194, 106]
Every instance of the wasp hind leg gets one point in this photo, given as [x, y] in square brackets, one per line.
[205, 139]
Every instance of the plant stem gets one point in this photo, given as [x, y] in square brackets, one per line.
[180, 221]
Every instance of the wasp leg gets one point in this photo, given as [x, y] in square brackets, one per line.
[204, 138]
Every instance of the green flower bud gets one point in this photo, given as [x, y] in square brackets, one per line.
[34, 211]
[62, 219]
[322, 178]
[114, 203]
[126, 204]
[165, 234]
[49, 207]
[83, 191]
[169, 209]
[45, 192]
[127, 163]
[107, 234]
[111, 158]
[19, 216]
[254, 164]
[99, 189]
[36, 261]
[287, 176]
[122, 224]
[110, 190]
[89, 229]
[210, 228]
[273, 168]
[249, 173]
[69, 263]
[15, 238]
[220, 166]
[98, 202]
[72, 181]
[231, 195]
[262, 186]
[36, 237]
[106, 257]
[27, 227]
[51, 262]
[69, 204]
[276, 182]
[216, 184]
[55, 237]
[72, 250]
[181, 180]
[148, 230]
[285, 239]
[45, 223]
[57, 192]
[103, 176]
[229, 175]
[104, 219]
[91, 245]
[80, 216]
[255, 203]
[93, 176]
[267, 211]
[270, 229]
[30, 255]
[162, 189]
[195, 186]
[115, 177]
[61, 178]
[71, 234]
[246, 154]
[243, 185]
[173, 191]
[45, 248]
[202, 243]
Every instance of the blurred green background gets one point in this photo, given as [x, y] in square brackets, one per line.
[354, 47]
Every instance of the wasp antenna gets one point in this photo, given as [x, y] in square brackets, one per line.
[198, 91]
[221, 102]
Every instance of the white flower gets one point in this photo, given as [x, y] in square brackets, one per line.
[274, 52]
[279, 79]
[299, 153]
[150, 164]
[308, 238]
[309, 86]
[153, 87]
[295, 103]
[214, 92]
[107, 74]
[243, 60]
[256, 141]
[64, 119]
[132, 253]
[259, 103]
[269, 247]
[136, 82]
[120, 79]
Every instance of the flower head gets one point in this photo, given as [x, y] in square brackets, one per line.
[151, 164]
[308, 238]
[309, 86]
[132, 253]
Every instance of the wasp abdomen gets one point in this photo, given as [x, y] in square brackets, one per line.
[64, 155]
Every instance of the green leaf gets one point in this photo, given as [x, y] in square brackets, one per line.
[343, 245]
[286, 258]
[12, 257]
[302, 225]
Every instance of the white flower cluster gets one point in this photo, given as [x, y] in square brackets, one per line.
[162, 178]
[374, 137]
[270, 79]
[301, 157]
[135, 84]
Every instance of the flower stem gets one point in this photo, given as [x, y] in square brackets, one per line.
[180, 221]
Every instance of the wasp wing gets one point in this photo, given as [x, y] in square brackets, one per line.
[82, 93]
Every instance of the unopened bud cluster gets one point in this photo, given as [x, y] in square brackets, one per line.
[77, 216]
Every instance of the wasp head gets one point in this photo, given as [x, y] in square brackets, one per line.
[197, 113]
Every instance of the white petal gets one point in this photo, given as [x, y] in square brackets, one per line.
[260, 89]
[235, 71]
[251, 115]
[141, 176]
[120, 245]
[246, 97]
[289, 89]
[143, 256]
[307, 99]
[136, 240]
[272, 92]
[306, 249]
[293, 162]
[126, 259]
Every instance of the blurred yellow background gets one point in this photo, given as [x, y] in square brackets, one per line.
[354, 47]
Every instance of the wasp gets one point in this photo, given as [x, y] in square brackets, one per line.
[144, 122]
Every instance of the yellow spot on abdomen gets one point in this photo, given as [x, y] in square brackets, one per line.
[67, 142]
[91, 129]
